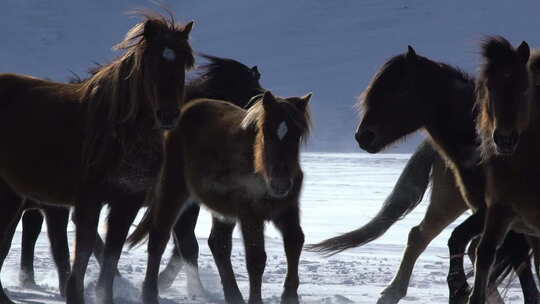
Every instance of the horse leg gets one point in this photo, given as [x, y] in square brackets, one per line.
[159, 234]
[534, 242]
[32, 221]
[99, 247]
[220, 243]
[457, 244]
[497, 223]
[86, 218]
[57, 220]
[293, 240]
[121, 216]
[12, 208]
[186, 249]
[446, 204]
[253, 233]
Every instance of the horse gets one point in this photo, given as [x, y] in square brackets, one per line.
[220, 78]
[244, 166]
[223, 79]
[100, 141]
[420, 93]
[508, 127]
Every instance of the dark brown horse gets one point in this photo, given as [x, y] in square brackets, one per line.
[244, 166]
[509, 130]
[91, 143]
[420, 93]
[220, 78]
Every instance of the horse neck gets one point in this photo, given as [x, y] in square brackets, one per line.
[451, 123]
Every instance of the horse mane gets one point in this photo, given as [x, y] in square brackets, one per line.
[399, 62]
[116, 92]
[256, 115]
[496, 49]
[209, 82]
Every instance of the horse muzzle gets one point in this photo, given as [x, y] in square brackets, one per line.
[280, 187]
[366, 139]
[506, 142]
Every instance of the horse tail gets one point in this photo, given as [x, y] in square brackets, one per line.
[514, 255]
[143, 229]
[406, 195]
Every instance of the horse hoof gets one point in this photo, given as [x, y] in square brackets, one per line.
[165, 282]
[290, 300]
[27, 280]
[389, 298]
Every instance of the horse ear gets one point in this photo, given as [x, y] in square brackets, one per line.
[187, 28]
[411, 54]
[256, 72]
[523, 52]
[268, 99]
[303, 101]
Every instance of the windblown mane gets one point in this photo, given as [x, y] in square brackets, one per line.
[256, 115]
[118, 93]
[210, 81]
[399, 62]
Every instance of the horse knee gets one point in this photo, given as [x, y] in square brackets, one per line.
[456, 242]
[189, 248]
[415, 236]
[298, 238]
[256, 261]
[217, 245]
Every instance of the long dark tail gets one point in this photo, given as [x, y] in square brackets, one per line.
[143, 229]
[407, 194]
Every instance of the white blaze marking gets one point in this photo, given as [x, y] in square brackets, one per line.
[168, 54]
[282, 130]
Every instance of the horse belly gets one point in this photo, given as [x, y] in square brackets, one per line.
[55, 186]
[40, 152]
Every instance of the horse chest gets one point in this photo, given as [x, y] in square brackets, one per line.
[138, 167]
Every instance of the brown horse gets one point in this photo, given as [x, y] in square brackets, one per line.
[244, 166]
[420, 93]
[91, 143]
[219, 78]
[509, 130]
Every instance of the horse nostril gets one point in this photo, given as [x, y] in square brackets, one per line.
[365, 136]
[505, 138]
[281, 186]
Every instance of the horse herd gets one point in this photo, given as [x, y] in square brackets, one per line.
[135, 133]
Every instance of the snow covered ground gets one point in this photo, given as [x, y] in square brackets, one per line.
[342, 192]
